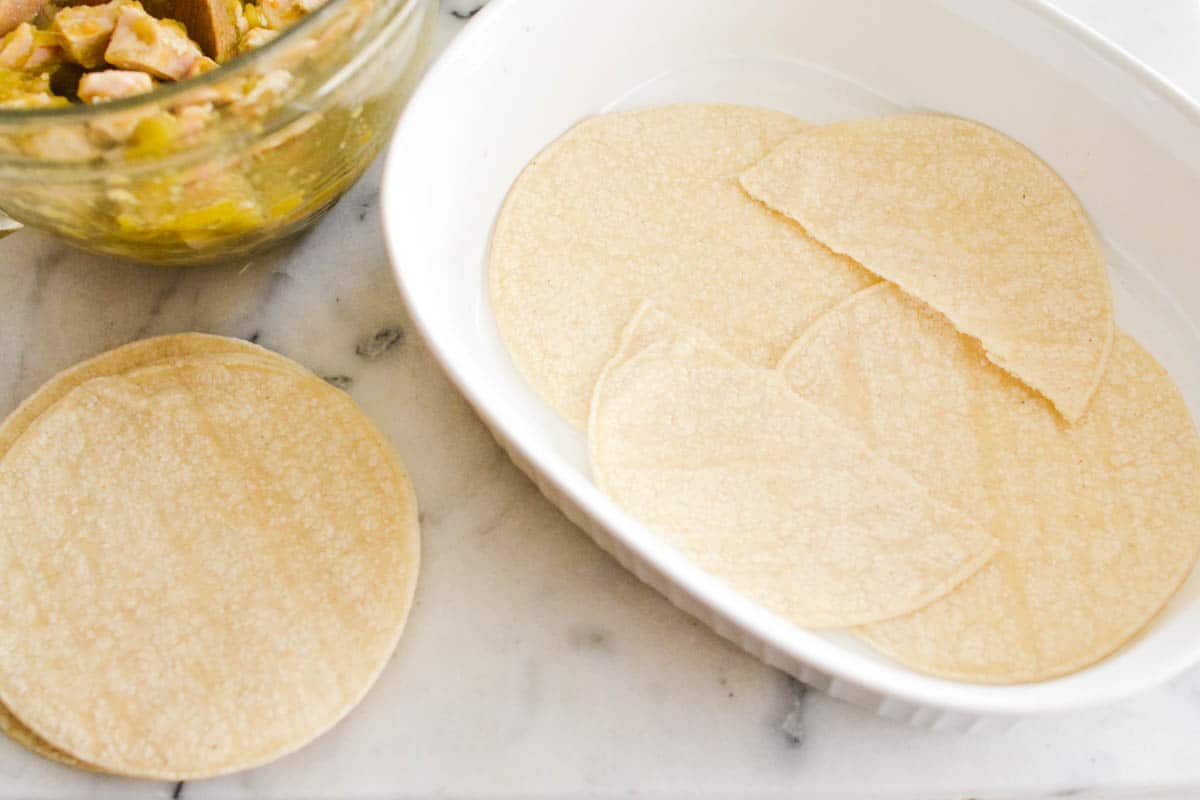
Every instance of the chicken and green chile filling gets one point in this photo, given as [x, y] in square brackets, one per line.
[88, 52]
[160, 40]
[54, 53]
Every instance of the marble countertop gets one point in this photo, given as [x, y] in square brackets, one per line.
[533, 665]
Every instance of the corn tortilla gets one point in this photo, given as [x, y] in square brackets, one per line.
[646, 204]
[14, 729]
[114, 362]
[757, 488]
[968, 221]
[1098, 522]
[208, 560]
[123, 359]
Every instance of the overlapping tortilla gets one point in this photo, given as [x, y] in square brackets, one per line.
[646, 204]
[206, 562]
[1098, 522]
[759, 489]
[966, 220]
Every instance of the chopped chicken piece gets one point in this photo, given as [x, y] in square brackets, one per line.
[60, 143]
[16, 12]
[16, 47]
[203, 64]
[212, 24]
[84, 31]
[159, 47]
[113, 84]
[239, 16]
[26, 48]
[281, 13]
[119, 128]
[216, 94]
[194, 119]
[256, 37]
[268, 90]
[43, 57]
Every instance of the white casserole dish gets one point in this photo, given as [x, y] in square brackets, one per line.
[525, 70]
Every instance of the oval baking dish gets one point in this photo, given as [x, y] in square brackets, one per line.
[525, 70]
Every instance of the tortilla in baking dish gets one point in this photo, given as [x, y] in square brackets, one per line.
[1098, 522]
[757, 488]
[968, 221]
[646, 204]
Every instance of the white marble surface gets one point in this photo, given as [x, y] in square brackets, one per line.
[533, 665]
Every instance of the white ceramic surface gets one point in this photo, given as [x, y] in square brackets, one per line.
[526, 70]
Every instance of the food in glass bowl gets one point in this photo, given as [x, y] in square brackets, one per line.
[191, 131]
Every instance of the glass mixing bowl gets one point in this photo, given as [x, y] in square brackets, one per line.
[217, 167]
